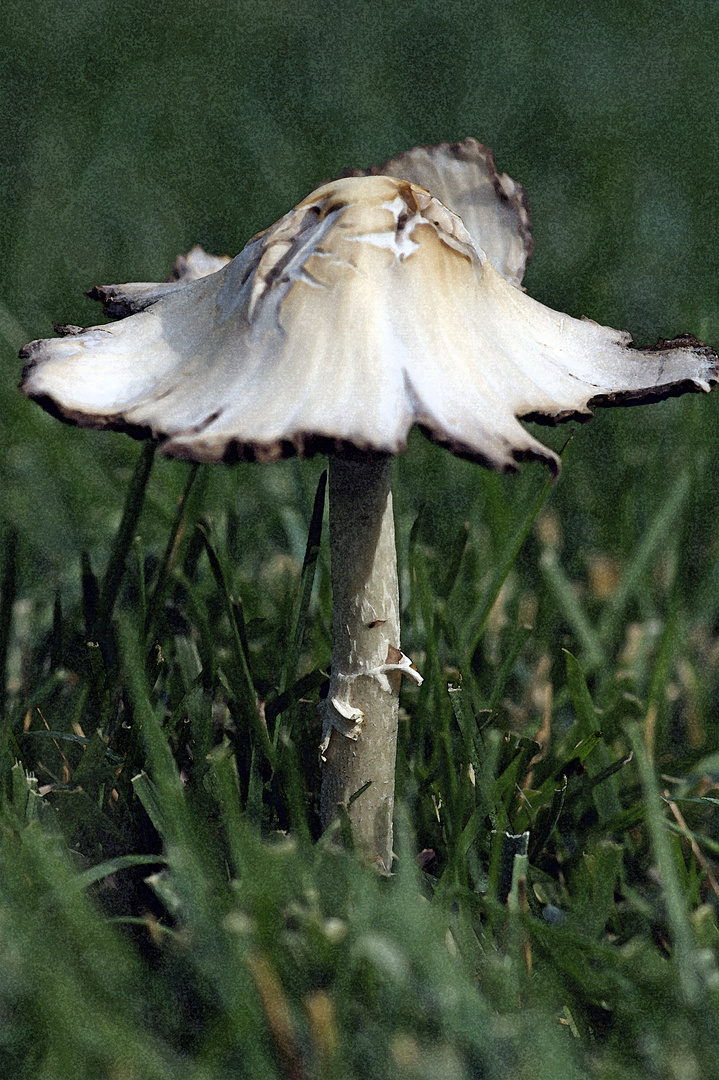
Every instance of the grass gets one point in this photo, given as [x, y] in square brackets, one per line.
[167, 905]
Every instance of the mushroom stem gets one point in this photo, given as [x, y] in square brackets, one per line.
[360, 712]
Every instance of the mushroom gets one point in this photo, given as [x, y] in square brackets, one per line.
[370, 307]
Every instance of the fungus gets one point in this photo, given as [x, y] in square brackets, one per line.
[370, 307]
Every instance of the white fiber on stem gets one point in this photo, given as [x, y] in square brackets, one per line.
[360, 713]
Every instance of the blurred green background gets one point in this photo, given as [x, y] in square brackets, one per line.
[129, 132]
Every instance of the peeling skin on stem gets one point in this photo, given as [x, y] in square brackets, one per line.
[360, 713]
[337, 711]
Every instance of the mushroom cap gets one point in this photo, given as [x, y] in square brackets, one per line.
[368, 308]
[492, 206]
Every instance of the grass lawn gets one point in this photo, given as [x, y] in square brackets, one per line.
[168, 907]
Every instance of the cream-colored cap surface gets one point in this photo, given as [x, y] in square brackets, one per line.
[368, 308]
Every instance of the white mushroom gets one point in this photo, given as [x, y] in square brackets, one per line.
[370, 307]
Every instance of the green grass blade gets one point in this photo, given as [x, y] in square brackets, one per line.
[685, 949]
[546, 821]
[423, 606]
[113, 866]
[454, 561]
[599, 760]
[90, 592]
[479, 621]
[57, 632]
[147, 794]
[307, 578]
[570, 605]
[464, 715]
[309, 683]
[657, 704]
[8, 592]
[168, 556]
[587, 719]
[225, 786]
[294, 788]
[242, 683]
[594, 884]
[521, 637]
[141, 586]
[656, 536]
[123, 539]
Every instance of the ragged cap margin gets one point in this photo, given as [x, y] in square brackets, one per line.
[515, 359]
